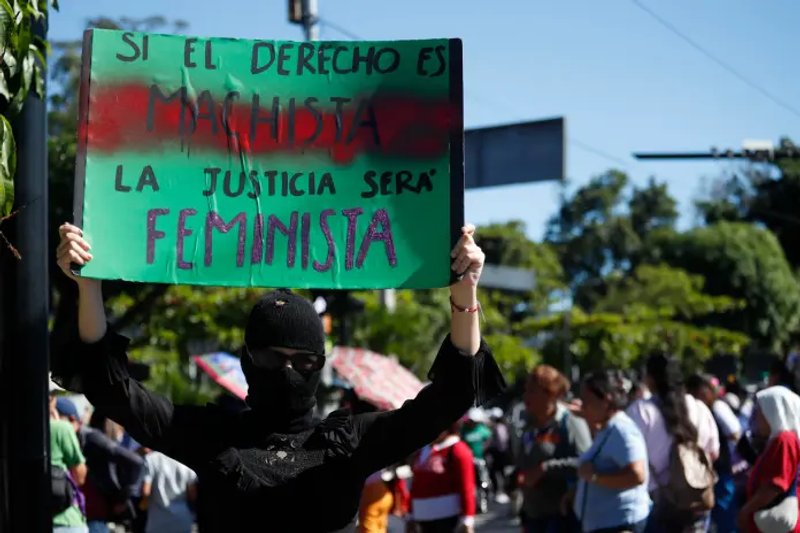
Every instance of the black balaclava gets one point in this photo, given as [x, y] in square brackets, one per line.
[283, 319]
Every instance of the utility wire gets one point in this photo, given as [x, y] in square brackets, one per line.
[725, 65]
[344, 31]
[485, 100]
[596, 151]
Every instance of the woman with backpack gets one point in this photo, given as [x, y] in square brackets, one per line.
[612, 492]
[682, 441]
[772, 503]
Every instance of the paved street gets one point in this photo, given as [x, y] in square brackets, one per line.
[498, 520]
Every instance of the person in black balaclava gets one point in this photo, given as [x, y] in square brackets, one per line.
[274, 466]
[284, 392]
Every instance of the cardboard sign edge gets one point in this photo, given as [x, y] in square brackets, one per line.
[455, 49]
[81, 150]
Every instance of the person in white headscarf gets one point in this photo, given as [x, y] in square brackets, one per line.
[774, 476]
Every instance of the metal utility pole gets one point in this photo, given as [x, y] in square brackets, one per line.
[24, 427]
[305, 12]
[754, 150]
[340, 303]
[310, 20]
[389, 299]
[566, 353]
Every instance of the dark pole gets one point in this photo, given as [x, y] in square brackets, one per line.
[783, 152]
[567, 349]
[688, 155]
[344, 329]
[341, 311]
[25, 430]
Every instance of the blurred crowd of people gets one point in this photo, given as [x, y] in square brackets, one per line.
[665, 453]
[103, 481]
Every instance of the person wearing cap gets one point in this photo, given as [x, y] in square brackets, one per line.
[68, 412]
[68, 472]
[274, 466]
[475, 433]
[112, 471]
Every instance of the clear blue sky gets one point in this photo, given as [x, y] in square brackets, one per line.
[623, 82]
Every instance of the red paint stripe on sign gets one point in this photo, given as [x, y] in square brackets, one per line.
[134, 117]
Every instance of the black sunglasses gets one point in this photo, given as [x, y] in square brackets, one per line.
[270, 359]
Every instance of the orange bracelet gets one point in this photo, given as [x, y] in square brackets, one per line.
[474, 309]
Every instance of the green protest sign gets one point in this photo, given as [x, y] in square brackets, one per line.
[270, 163]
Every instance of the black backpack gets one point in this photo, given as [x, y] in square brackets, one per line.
[63, 493]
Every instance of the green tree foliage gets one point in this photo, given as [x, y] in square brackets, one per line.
[181, 322]
[652, 208]
[188, 320]
[411, 332]
[661, 290]
[655, 308]
[420, 322]
[589, 232]
[631, 295]
[507, 244]
[767, 194]
[422, 318]
[168, 378]
[746, 262]
[600, 229]
[22, 69]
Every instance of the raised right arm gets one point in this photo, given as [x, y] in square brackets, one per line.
[73, 249]
[95, 364]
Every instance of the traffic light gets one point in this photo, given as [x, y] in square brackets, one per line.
[296, 11]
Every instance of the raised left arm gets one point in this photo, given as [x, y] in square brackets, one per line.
[465, 327]
[464, 372]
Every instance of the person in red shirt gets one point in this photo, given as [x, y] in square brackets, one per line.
[774, 476]
[443, 486]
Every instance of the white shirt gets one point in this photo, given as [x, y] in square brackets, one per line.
[168, 511]
[729, 424]
[648, 417]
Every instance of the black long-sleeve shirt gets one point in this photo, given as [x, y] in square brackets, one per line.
[253, 478]
[113, 471]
